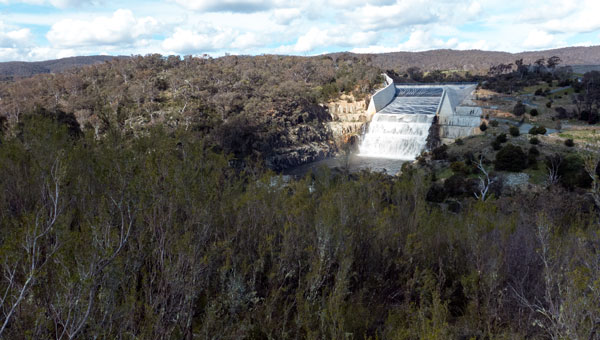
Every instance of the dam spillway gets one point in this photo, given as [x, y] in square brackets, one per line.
[403, 114]
[400, 130]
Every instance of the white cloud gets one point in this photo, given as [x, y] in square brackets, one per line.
[15, 38]
[474, 8]
[420, 40]
[55, 3]
[246, 40]
[537, 39]
[540, 11]
[391, 16]
[317, 38]
[242, 6]
[190, 41]
[285, 16]
[563, 16]
[121, 28]
[14, 41]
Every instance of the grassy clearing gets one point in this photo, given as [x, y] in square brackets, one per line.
[531, 89]
[445, 173]
[585, 136]
[537, 176]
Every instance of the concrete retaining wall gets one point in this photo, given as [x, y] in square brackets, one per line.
[470, 121]
[382, 97]
[454, 132]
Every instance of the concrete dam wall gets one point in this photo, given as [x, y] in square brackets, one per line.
[401, 120]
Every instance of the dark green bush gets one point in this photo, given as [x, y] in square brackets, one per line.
[549, 104]
[534, 141]
[459, 141]
[569, 142]
[501, 138]
[534, 112]
[534, 151]
[456, 185]
[459, 167]
[519, 108]
[494, 123]
[514, 131]
[436, 193]
[482, 127]
[511, 158]
[532, 157]
[440, 153]
[496, 145]
[572, 173]
[537, 130]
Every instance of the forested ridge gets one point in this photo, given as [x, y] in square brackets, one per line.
[441, 59]
[265, 107]
[158, 237]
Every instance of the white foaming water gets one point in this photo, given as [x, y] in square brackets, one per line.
[396, 136]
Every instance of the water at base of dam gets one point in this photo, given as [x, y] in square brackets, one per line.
[356, 164]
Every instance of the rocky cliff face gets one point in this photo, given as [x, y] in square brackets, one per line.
[348, 117]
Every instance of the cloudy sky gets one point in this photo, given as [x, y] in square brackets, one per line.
[48, 29]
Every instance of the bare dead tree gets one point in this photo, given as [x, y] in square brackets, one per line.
[72, 308]
[553, 166]
[566, 308]
[484, 182]
[36, 237]
[549, 306]
[591, 161]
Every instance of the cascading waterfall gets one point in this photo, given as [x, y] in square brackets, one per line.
[397, 136]
[400, 130]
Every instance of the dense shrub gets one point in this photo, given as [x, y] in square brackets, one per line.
[514, 131]
[496, 145]
[459, 141]
[519, 108]
[459, 167]
[534, 112]
[501, 138]
[569, 142]
[456, 185]
[537, 130]
[534, 141]
[440, 153]
[572, 172]
[436, 193]
[549, 104]
[494, 123]
[561, 113]
[483, 127]
[534, 151]
[532, 157]
[511, 158]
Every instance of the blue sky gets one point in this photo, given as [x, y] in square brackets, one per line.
[48, 29]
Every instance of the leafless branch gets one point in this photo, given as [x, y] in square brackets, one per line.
[485, 182]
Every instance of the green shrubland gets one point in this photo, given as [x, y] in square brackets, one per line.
[159, 236]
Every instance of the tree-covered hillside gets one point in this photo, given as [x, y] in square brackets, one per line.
[265, 107]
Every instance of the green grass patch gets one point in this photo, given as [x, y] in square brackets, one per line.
[588, 136]
[564, 92]
[446, 173]
[537, 176]
[533, 88]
